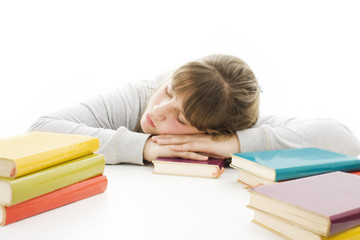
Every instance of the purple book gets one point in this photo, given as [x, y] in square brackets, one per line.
[211, 168]
[325, 204]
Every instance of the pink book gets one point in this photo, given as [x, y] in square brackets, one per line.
[324, 204]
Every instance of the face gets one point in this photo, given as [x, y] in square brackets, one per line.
[164, 114]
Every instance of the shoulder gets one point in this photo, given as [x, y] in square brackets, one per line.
[274, 120]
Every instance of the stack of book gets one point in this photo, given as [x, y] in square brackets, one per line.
[266, 167]
[40, 171]
[325, 206]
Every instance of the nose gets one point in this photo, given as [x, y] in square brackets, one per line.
[161, 110]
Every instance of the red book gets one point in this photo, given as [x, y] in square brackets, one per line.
[325, 204]
[52, 200]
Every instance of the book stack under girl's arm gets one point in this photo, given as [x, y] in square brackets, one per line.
[40, 171]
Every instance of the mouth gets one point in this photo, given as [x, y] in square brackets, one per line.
[148, 119]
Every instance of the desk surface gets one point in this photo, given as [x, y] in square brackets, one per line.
[142, 205]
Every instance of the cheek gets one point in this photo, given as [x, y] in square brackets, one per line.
[174, 127]
[171, 127]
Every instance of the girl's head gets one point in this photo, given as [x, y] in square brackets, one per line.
[218, 94]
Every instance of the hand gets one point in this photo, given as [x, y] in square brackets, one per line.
[213, 146]
[153, 150]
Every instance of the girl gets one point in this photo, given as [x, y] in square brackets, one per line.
[208, 107]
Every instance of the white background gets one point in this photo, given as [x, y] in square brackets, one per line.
[305, 54]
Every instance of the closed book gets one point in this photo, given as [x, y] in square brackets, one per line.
[33, 151]
[211, 168]
[252, 180]
[279, 165]
[325, 204]
[13, 191]
[291, 231]
[52, 200]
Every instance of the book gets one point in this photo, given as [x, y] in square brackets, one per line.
[325, 204]
[13, 191]
[212, 168]
[252, 180]
[52, 200]
[279, 165]
[291, 231]
[33, 151]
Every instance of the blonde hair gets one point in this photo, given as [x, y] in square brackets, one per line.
[220, 92]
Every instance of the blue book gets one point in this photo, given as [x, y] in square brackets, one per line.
[280, 165]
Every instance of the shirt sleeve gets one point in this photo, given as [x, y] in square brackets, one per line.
[111, 117]
[275, 132]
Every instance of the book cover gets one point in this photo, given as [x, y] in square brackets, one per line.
[279, 165]
[212, 168]
[325, 204]
[251, 180]
[289, 230]
[33, 151]
[52, 200]
[13, 191]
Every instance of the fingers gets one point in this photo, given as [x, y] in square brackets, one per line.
[177, 139]
[192, 156]
[167, 141]
[196, 149]
[189, 147]
[193, 146]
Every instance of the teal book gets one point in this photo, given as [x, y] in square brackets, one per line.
[286, 164]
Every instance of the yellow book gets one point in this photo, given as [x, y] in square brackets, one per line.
[292, 231]
[30, 152]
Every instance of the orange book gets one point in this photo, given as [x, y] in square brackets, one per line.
[52, 200]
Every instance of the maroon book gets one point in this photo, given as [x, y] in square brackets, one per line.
[212, 168]
[325, 204]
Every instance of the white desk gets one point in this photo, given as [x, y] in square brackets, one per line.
[142, 205]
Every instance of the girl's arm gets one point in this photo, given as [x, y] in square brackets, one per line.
[274, 132]
[270, 133]
[110, 117]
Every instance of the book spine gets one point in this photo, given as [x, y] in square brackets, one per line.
[56, 156]
[53, 178]
[344, 221]
[58, 198]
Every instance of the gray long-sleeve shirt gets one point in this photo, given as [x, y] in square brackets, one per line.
[111, 117]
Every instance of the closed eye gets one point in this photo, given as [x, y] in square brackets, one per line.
[167, 91]
[179, 120]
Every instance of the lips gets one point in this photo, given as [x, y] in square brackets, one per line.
[148, 119]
